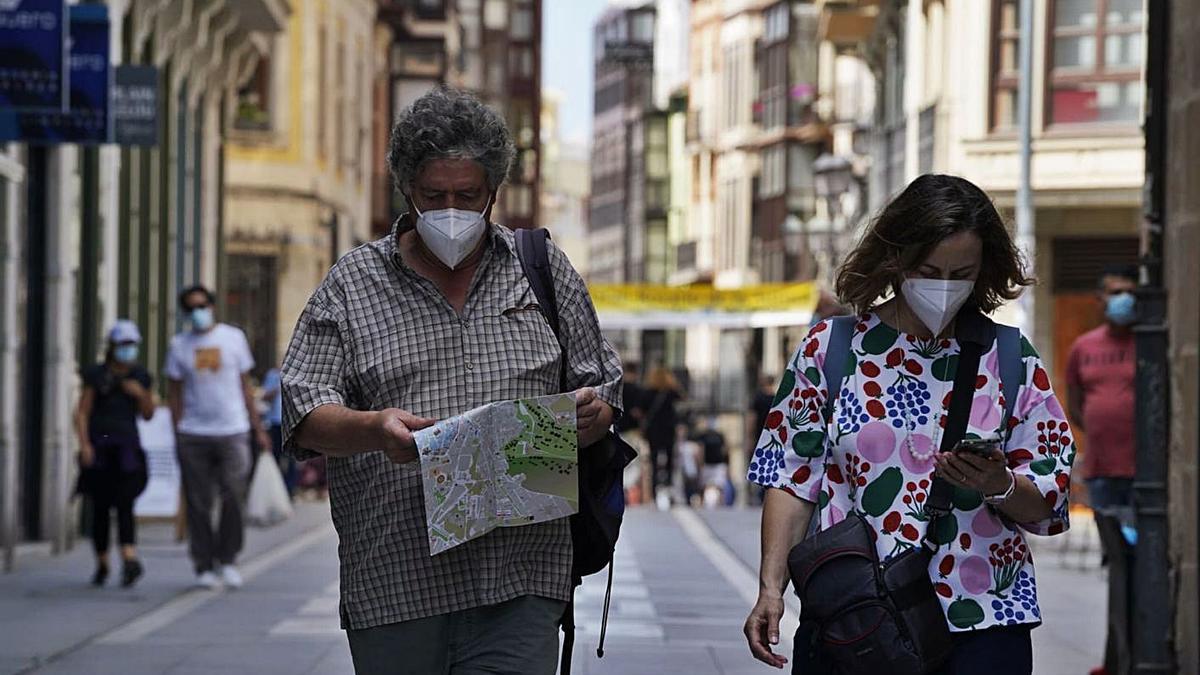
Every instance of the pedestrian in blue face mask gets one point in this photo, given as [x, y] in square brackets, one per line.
[214, 410]
[1100, 374]
[1101, 370]
[111, 459]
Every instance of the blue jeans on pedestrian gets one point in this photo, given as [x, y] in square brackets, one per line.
[1106, 494]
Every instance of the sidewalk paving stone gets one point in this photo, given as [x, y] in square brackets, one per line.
[48, 607]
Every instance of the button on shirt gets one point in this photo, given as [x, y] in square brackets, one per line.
[377, 335]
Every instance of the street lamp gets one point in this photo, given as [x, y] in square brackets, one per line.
[832, 177]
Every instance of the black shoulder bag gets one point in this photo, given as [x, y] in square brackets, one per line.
[595, 528]
[861, 615]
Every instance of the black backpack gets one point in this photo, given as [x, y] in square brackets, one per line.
[595, 528]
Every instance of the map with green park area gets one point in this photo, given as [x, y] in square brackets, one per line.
[504, 464]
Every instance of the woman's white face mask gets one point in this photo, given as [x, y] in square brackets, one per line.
[936, 301]
[939, 287]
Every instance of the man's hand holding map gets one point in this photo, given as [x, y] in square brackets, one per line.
[504, 464]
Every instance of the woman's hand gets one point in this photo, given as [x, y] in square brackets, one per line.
[762, 628]
[593, 416]
[986, 475]
[133, 389]
[87, 455]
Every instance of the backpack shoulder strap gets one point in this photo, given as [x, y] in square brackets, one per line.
[841, 329]
[1008, 346]
[534, 253]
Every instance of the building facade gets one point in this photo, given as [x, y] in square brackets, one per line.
[753, 131]
[946, 78]
[566, 179]
[299, 169]
[623, 40]
[92, 233]
[490, 47]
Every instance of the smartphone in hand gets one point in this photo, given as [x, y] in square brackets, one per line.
[979, 446]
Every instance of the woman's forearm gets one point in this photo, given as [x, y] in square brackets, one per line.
[83, 413]
[146, 404]
[1026, 505]
[784, 522]
[81, 429]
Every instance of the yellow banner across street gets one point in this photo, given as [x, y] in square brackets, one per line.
[757, 298]
[654, 306]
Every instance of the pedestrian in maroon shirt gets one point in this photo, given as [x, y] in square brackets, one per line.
[1100, 381]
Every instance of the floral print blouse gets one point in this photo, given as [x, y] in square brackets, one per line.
[876, 457]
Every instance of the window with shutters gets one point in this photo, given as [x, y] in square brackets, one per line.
[1079, 261]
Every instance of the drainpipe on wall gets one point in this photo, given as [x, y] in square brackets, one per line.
[59, 366]
[1153, 611]
[10, 385]
[1026, 238]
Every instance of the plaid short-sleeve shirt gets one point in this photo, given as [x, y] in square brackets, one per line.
[377, 335]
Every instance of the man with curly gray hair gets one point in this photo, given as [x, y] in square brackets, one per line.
[431, 321]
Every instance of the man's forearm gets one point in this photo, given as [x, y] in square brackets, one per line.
[1075, 408]
[338, 431]
[252, 411]
[175, 403]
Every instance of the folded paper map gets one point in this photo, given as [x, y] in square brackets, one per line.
[504, 464]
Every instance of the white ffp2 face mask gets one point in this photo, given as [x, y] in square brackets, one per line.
[451, 234]
[936, 301]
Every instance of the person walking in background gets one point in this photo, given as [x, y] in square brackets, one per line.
[632, 394]
[111, 457]
[690, 462]
[756, 419]
[1100, 393]
[272, 395]
[717, 487]
[638, 475]
[214, 411]
[661, 416]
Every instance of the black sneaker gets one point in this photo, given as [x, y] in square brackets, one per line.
[131, 572]
[101, 575]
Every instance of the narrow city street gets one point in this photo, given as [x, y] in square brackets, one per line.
[683, 583]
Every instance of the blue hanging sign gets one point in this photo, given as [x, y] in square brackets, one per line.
[33, 54]
[87, 120]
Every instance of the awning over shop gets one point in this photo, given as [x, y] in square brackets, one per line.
[658, 307]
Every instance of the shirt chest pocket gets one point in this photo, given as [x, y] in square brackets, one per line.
[531, 352]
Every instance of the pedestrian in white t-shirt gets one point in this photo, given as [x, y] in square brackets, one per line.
[213, 408]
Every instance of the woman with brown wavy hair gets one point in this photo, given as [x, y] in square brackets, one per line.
[939, 250]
